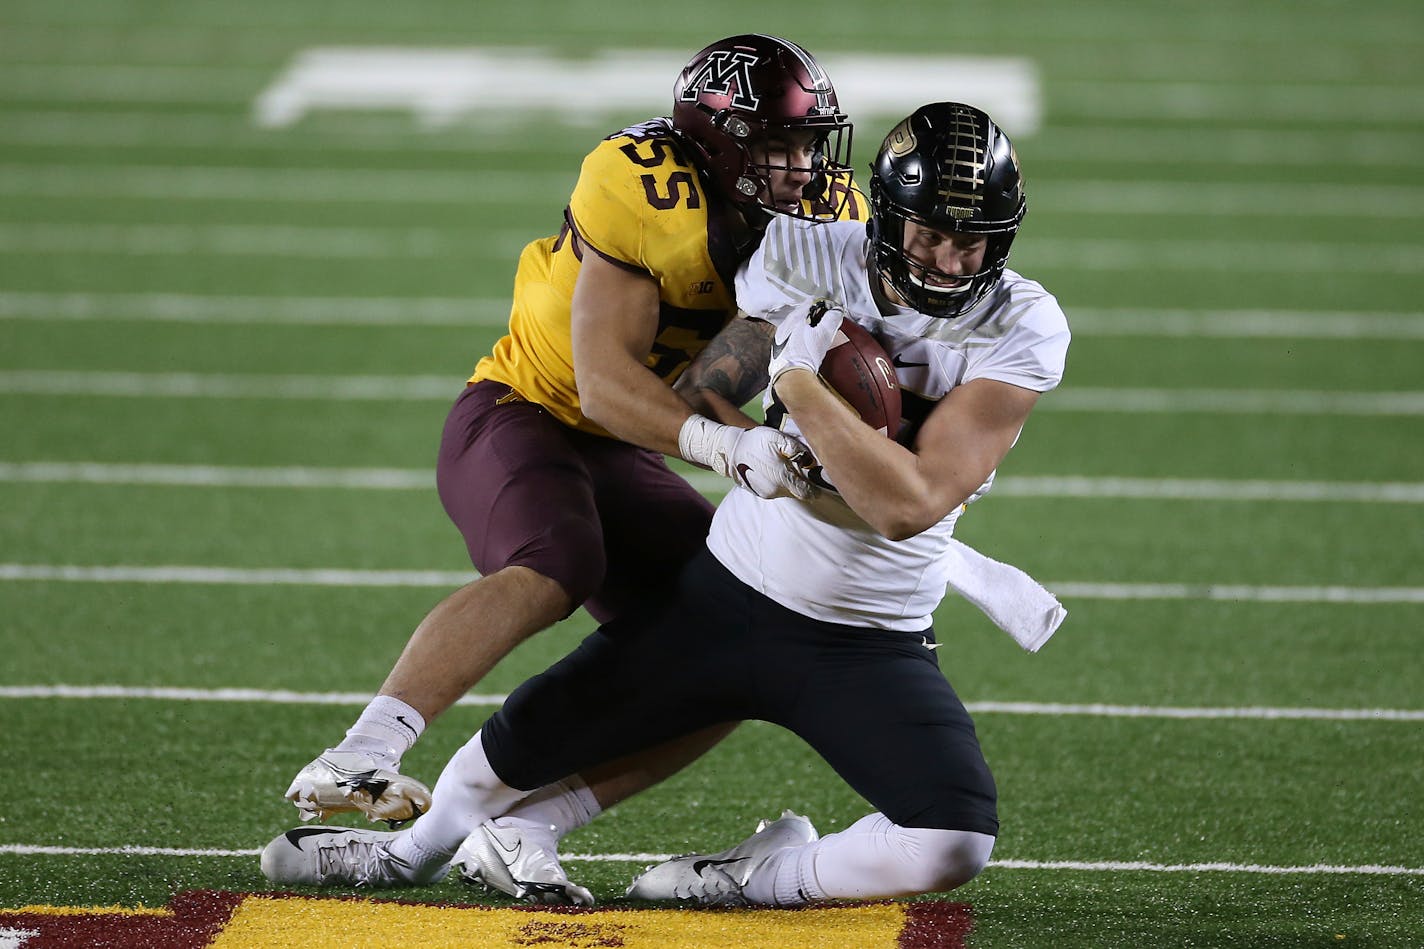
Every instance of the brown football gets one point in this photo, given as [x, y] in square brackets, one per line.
[858, 369]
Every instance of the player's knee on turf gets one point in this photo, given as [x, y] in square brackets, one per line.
[949, 858]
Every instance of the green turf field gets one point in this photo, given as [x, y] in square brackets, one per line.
[226, 351]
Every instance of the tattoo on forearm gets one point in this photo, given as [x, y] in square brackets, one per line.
[734, 364]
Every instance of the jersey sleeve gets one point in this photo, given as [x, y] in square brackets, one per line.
[1031, 353]
[608, 207]
[797, 263]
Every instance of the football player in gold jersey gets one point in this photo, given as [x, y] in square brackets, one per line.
[551, 461]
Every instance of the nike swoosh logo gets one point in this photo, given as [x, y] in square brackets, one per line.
[905, 364]
[401, 719]
[929, 645]
[742, 471]
[700, 865]
[365, 781]
[295, 835]
[777, 345]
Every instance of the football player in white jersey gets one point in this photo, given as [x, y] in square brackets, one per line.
[551, 464]
[811, 614]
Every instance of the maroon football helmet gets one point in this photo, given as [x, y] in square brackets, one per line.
[743, 90]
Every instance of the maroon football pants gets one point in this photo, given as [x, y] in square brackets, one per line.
[609, 521]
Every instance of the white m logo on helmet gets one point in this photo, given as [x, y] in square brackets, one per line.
[717, 74]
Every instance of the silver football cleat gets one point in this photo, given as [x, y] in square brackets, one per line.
[520, 858]
[717, 879]
[338, 781]
[339, 856]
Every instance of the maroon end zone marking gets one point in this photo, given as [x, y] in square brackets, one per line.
[198, 915]
[936, 925]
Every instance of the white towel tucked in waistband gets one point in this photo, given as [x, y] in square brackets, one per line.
[1011, 598]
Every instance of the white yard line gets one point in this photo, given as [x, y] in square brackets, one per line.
[346, 185]
[363, 133]
[1232, 401]
[468, 243]
[444, 187]
[423, 479]
[1394, 104]
[1245, 324]
[1165, 711]
[1085, 866]
[262, 240]
[316, 311]
[1218, 256]
[1052, 709]
[494, 311]
[368, 132]
[225, 386]
[335, 576]
[1261, 145]
[1234, 593]
[1132, 866]
[1225, 199]
[236, 576]
[387, 479]
[445, 388]
[1208, 489]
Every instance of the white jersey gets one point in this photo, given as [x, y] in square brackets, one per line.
[818, 557]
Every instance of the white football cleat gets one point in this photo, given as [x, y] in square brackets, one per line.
[339, 856]
[717, 879]
[338, 781]
[520, 858]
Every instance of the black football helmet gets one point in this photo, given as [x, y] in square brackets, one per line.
[748, 87]
[949, 167]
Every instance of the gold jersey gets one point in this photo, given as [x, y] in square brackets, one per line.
[640, 204]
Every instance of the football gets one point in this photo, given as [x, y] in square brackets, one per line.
[858, 369]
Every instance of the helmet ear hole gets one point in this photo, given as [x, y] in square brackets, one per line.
[755, 87]
[950, 168]
[733, 126]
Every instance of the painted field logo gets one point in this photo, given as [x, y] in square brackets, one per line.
[444, 85]
[576, 933]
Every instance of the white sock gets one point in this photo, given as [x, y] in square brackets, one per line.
[386, 730]
[561, 806]
[466, 795]
[872, 859]
[786, 878]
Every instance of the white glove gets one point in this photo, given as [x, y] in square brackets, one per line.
[802, 340]
[759, 459]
